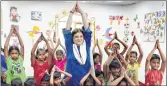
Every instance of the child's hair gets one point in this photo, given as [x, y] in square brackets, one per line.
[95, 55]
[46, 78]
[46, 50]
[37, 52]
[13, 48]
[56, 75]
[155, 56]
[89, 79]
[59, 51]
[30, 82]
[76, 31]
[133, 52]
[114, 64]
[116, 44]
[16, 82]
[123, 80]
[98, 73]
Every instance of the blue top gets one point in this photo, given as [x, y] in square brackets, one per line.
[3, 63]
[73, 67]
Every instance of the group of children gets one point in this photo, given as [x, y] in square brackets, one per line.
[50, 64]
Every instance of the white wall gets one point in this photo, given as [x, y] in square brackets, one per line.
[100, 12]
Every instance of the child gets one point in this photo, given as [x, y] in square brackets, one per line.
[3, 78]
[100, 76]
[45, 80]
[16, 82]
[154, 75]
[60, 60]
[30, 82]
[97, 58]
[56, 80]
[14, 58]
[134, 62]
[117, 74]
[87, 80]
[41, 63]
[115, 46]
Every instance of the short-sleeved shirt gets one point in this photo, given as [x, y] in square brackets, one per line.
[133, 72]
[153, 78]
[15, 66]
[61, 64]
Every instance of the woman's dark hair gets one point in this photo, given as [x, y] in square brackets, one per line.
[30, 82]
[46, 78]
[98, 73]
[155, 56]
[114, 64]
[13, 48]
[76, 31]
[16, 82]
[56, 75]
[123, 80]
[59, 51]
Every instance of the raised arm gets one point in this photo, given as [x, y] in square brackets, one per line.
[147, 64]
[7, 43]
[96, 80]
[125, 64]
[140, 51]
[100, 52]
[163, 64]
[33, 50]
[20, 41]
[50, 54]
[51, 76]
[84, 18]
[129, 79]
[63, 47]
[84, 78]
[106, 47]
[125, 45]
[69, 21]
[130, 49]
[116, 81]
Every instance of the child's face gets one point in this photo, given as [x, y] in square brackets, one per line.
[114, 47]
[101, 78]
[57, 81]
[116, 71]
[132, 58]
[97, 59]
[41, 55]
[45, 83]
[14, 54]
[155, 63]
[59, 56]
[3, 76]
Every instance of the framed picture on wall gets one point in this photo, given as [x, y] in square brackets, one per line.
[36, 15]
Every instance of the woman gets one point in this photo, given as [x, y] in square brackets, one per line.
[78, 48]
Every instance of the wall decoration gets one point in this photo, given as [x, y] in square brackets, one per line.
[108, 34]
[138, 24]
[132, 33]
[126, 32]
[97, 27]
[36, 30]
[135, 18]
[36, 15]
[154, 26]
[14, 16]
[118, 18]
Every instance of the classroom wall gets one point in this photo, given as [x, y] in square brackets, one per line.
[101, 13]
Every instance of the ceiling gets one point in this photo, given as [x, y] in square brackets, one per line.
[107, 2]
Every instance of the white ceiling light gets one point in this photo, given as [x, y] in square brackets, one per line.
[114, 1]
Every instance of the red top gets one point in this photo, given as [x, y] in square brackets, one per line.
[61, 64]
[39, 71]
[154, 77]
